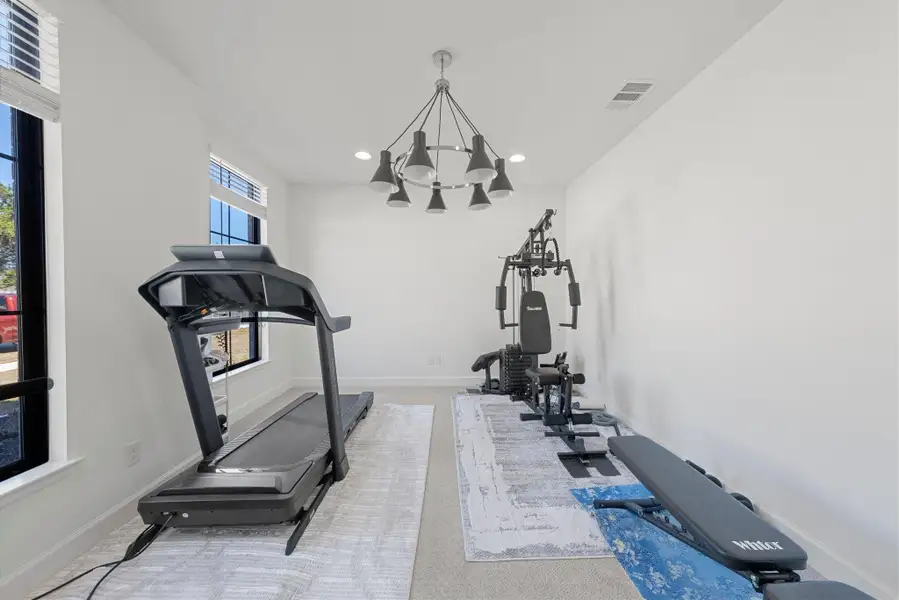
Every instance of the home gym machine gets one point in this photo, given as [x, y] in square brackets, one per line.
[530, 262]
[521, 375]
[280, 470]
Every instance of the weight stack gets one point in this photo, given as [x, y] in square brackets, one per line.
[513, 380]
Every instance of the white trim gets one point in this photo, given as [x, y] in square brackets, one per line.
[239, 371]
[388, 382]
[29, 576]
[241, 411]
[827, 562]
[222, 193]
[54, 234]
[34, 480]
[29, 96]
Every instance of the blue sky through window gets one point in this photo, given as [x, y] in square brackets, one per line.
[229, 225]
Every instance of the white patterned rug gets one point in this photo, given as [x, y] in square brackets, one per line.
[513, 489]
[360, 544]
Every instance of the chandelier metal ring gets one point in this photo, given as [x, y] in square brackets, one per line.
[430, 186]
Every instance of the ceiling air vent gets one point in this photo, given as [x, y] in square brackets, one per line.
[629, 94]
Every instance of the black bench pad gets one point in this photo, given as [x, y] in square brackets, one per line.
[814, 590]
[545, 375]
[485, 360]
[731, 533]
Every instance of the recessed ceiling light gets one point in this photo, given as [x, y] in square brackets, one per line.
[363, 155]
[516, 158]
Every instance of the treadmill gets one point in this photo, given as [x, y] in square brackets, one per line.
[280, 470]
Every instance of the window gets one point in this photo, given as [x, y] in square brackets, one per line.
[232, 226]
[23, 320]
[236, 217]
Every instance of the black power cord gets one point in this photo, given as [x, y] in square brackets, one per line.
[135, 549]
[76, 578]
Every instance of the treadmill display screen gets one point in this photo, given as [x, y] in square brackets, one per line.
[224, 291]
[243, 291]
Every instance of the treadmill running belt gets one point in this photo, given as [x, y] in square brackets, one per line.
[292, 438]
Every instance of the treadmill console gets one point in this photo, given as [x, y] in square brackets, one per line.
[234, 291]
[217, 252]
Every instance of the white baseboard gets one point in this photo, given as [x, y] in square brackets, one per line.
[245, 409]
[23, 581]
[822, 559]
[314, 383]
[829, 563]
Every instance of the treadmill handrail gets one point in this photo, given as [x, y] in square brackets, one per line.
[226, 267]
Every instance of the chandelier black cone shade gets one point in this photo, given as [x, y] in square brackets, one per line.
[383, 180]
[500, 187]
[479, 199]
[436, 206]
[419, 166]
[399, 199]
[480, 168]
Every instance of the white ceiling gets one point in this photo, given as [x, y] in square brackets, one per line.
[306, 84]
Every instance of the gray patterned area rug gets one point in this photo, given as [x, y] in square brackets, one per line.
[514, 491]
[360, 544]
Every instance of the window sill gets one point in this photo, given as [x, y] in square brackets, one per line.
[236, 372]
[21, 486]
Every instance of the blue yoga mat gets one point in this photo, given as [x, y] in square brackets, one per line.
[659, 565]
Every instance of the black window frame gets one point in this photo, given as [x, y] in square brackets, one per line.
[254, 237]
[32, 388]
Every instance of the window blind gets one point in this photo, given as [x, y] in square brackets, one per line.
[29, 59]
[236, 188]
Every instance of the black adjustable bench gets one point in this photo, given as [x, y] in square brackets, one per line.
[714, 523]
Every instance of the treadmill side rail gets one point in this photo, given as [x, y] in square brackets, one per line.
[196, 387]
[340, 463]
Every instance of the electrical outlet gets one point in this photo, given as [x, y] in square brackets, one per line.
[132, 453]
[430, 360]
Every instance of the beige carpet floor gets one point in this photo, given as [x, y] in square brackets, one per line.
[441, 571]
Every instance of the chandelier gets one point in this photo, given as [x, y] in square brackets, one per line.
[415, 166]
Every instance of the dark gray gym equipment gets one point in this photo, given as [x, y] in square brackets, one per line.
[483, 363]
[714, 523]
[814, 590]
[536, 339]
[288, 461]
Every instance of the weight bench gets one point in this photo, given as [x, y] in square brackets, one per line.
[711, 521]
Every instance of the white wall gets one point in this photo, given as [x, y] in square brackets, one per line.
[134, 181]
[740, 269]
[415, 284]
